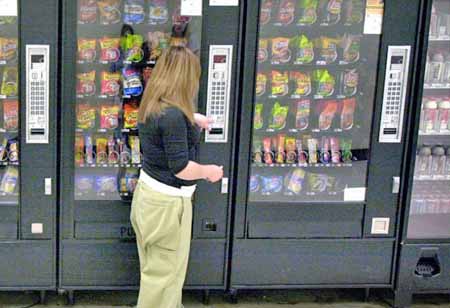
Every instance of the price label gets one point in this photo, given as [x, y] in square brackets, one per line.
[8, 7]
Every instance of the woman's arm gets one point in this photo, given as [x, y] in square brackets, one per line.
[202, 121]
[196, 171]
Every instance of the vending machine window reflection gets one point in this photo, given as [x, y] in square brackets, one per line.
[313, 103]
[119, 43]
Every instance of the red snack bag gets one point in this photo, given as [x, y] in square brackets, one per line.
[348, 112]
[109, 117]
[267, 147]
[286, 12]
[327, 115]
[11, 114]
[79, 150]
[87, 11]
[87, 50]
[109, 48]
[131, 111]
[86, 83]
[110, 84]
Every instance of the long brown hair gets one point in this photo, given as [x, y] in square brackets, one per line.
[174, 82]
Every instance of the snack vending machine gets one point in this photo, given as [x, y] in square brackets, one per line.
[321, 144]
[110, 48]
[425, 248]
[28, 134]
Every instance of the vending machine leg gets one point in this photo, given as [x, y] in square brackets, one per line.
[42, 297]
[233, 296]
[70, 297]
[206, 297]
[402, 299]
[366, 295]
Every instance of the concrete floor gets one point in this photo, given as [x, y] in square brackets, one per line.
[267, 299]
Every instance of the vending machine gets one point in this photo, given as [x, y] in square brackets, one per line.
[28, 149]
[321, 142]
[109, 49]
[424, 264]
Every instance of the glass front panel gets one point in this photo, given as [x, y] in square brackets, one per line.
[9, 100]
[119, 43]
[314, 98]
[430, 201]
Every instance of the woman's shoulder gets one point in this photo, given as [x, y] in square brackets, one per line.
[172, 116]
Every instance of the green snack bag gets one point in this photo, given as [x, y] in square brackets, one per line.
[308, 14]
[9, 82]
[258, 122]
[279, 116]
[305, 51]
[346, 146]
[325, 82]
[131, 45]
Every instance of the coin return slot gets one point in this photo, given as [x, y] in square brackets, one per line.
[216, 131]
[37, 131]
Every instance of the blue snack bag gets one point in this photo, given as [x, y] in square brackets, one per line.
[271, 184]
[254, 183]
[106, 184]
[134, 12]
[132, 84]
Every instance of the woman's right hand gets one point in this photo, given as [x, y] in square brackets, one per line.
[213, 173]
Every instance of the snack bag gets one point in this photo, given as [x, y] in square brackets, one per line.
[258, 121]
[266, 12]
[86, 115]
[86, 83]
[308, 12]
[280, 50]
[4, 150]
[110, 51]
[11, 114]
[106, 184]
[109, 11]
[84, 183]
[87, 11]
[134, 12]
[328, 49]
[280, 155]
[9, 82]
[320, 183]
[131, 111]
[79, 149]
[8, 49]
[113, 155]
[87, 50]
[131, 44]
[109, 117]
[10, 180]
[348, 112]
[89, 155]
[279, 115]
[13, 151]
[303, 84]
[326, 117]
[261, 84]
[349, 82]
[295, 181]
[346, 146]
[280, 83]
[335, 151]
[271, 184]
[7, 20]
[124, 151]
[257, 151]
[291, 155]
[131, 177]
[101, 150]
[305, 50]
[354, 12]
[158, 12]
[158, 41]
[301, 153]
[135, 149]
[325, 156]
[302, 115]
[254, 183]
[263, 50]
[132, 84]
[325, 83]
[110, 84]
[286, 12]
[330, 11]
[268, 153]
[312, 150]
[351, 44]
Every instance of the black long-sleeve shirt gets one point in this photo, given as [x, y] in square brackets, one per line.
[168, 143]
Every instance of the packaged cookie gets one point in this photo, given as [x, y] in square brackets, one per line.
[158, 12]
[109, 11]
[280, 83]
[86, 83]
[87, 50]
[87, 11]
[281, 53]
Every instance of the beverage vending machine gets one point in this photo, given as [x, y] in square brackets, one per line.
[425, 247]
[109, 50]
[322, 142]
[28, 149]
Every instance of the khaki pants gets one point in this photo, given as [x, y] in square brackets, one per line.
[162, 224]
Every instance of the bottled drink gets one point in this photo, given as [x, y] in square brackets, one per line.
[447, 163]
[434, 22]
[423, 163]
[438, 161]
[436, 69]
[430, 115]
[446, 74]
[444, 116]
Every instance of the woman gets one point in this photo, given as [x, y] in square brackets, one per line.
[161, 212]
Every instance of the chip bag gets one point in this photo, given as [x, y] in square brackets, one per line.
[280, 83]
[86, 83]
[131, 44]
[109, 117]
[257, 151]
[11, 114]
[261, 84]
[87, 50]
[280, 155]
[266, 12]
[134, 12]
[8, 49]
[294, 181]
[271, 184]
[354, 12]
[349, 82]
[135, 146]
[263, 50]
[351, 45]
[79, 149]
[330, 11]
[9, 82]
[10, 180]
[86, 116]
[348, 112]
[109, 11]
[308, 12]
[291, 155]
[280, 50]
[302, 82]
[101, 150]
[279, 116]
[132, 84]
[110, 84]
[254, 183]
[302, 115]
[13, 151]
[131, 111]
[320, 183]
[329, 109]
[87, 11]
[84, 183]
[110, 51]
[258, 118]
[305, 50]
[106, 184]
[328, 49]
[325, 83]
[267, 150]
[158, 12]
[286, 12]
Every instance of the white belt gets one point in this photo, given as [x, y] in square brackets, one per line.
[183, 191]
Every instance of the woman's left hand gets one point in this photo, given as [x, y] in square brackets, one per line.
[202, 121]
